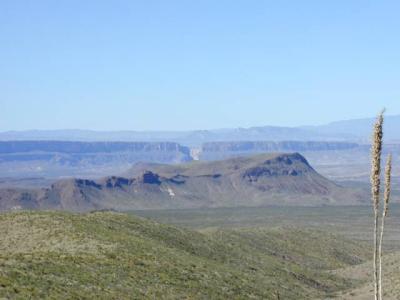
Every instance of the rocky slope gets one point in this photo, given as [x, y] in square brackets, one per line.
[106, 255]
[267, 179]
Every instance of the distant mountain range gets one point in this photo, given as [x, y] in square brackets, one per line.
[351, 130]
[360, 128]
[266, 179]
[339, 150]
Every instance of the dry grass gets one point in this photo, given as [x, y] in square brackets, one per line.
[376, 153]
[386, 199]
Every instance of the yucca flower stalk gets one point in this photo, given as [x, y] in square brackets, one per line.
[376, 152]
[386, 199]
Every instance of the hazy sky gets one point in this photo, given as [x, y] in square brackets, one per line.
[147, 65]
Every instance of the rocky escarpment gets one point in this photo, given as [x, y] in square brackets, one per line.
[270, 168]
[7, 147]
[268, 179]
[64, 158]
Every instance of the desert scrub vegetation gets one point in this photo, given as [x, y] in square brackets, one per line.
[364, 272]
[376, 153]
[108, 255]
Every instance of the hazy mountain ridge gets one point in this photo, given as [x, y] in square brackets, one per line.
[187, 138]
[357, 130]
[361, 128]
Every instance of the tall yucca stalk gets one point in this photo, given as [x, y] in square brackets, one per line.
[386, 199]
[376, 152]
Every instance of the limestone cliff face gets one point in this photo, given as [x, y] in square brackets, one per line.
[218, 150]
[63, 158]
[7, 147]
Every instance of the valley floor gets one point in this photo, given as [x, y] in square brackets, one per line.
[353, 222]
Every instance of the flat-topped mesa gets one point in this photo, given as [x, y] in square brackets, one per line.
[265, 179]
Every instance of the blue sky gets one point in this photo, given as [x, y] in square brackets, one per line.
[177, 65]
